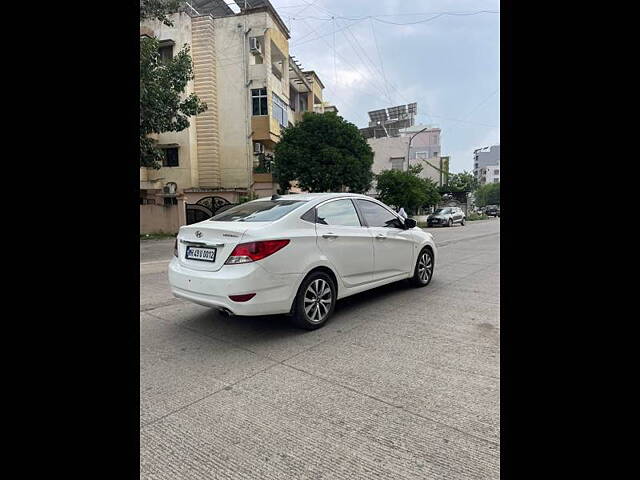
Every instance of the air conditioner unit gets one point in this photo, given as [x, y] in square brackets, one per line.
[170, 188]
[258, 148]
[254, 45]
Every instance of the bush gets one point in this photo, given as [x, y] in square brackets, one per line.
[476, 216]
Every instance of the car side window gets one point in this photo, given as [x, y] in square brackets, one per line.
[377, 216]
[338, 213]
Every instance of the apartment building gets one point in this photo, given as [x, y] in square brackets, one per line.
[489, 174]
[486, 161]
[253, 88]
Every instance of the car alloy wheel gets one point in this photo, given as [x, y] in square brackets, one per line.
[424, 269]
[317, 300]
[450, 224]
[314, 302]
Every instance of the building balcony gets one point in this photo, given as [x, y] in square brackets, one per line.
[265, 128]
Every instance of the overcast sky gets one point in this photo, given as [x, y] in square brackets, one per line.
[449, 65]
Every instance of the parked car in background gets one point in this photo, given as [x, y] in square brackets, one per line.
[493, 210]
[446, 217]
[298, 254]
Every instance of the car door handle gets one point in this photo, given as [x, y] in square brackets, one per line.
[329, 235]
[380, 236]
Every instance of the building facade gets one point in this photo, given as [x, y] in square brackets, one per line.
[253, 89]
[416, 145]
[489, 174]
[486, 164]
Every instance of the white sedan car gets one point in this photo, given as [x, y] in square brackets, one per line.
[298, 254]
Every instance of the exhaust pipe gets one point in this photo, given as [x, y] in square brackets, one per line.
[226, 311]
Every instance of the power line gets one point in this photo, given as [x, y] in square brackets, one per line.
[365, 77]
[375, 40]
[433, 18]
[460, 121]
[417, 14]
[372, 71]
[487, 98]
[296, 44]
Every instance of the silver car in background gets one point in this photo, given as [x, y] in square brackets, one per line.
[446, 217]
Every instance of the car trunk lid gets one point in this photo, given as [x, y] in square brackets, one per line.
[204, 237]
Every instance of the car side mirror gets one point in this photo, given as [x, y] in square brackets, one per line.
[409, 223]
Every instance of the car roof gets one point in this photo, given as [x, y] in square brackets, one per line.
[317, 196]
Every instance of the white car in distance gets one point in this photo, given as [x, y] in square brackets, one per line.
[297, 254]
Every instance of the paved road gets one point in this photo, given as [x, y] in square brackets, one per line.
[402, 383]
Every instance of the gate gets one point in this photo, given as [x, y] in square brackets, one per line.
[206, 208]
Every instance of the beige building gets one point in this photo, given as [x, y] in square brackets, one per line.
[416, 145]
[253, 88]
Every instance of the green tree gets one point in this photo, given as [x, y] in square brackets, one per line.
[163, 104]
[488, 194]
[407, 189]
[159, 10]
[324, 153]
[460, 182]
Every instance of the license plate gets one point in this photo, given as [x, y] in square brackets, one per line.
[200, 253]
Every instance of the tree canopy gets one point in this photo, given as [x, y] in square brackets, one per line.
[158, 10]
[407, 189]
[488, 194]
[163, 105]
[324, 153]
[460, 182]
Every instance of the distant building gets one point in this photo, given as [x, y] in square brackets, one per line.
[490, 174]
[486, 164]
[398, 143]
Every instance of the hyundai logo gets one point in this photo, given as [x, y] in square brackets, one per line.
[198, 233]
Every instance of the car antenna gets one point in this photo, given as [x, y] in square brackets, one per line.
[275, 196]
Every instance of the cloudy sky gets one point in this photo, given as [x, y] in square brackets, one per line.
[449, 65]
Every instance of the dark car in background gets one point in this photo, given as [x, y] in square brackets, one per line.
[493, 211]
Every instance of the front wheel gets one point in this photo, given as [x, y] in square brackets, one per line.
[423, 273]
[314, 302]
[462, 222]
[450, 223]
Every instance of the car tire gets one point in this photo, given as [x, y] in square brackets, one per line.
[423, 271]
[310, 309]
[462, 222]
[450, 223]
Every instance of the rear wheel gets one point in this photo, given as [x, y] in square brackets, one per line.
[423, 273]
[314, 302]
[450, 223]
[462, 222]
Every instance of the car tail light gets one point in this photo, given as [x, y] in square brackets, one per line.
[175, 247]
[242, 298]
[252, 251]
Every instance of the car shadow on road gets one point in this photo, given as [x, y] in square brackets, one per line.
[361, 307]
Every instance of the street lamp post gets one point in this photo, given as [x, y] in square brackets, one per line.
[409, 147]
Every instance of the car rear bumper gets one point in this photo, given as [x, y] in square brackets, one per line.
[274, 293]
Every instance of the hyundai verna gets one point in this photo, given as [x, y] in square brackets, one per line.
[298, 254]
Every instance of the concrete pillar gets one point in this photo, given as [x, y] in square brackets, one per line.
[182, 210]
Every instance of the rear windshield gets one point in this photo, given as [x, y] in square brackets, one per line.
[258, 211]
